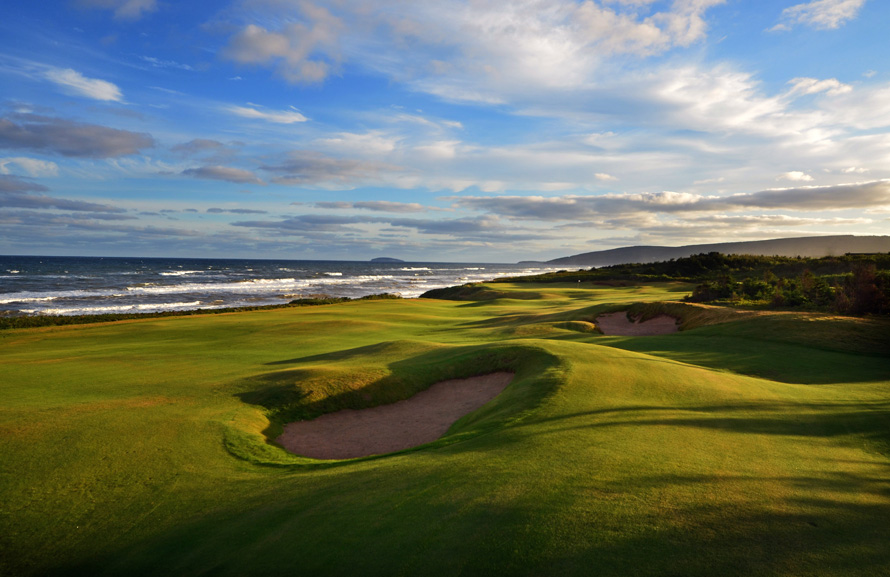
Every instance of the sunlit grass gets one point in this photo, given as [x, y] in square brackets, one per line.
[752, 444]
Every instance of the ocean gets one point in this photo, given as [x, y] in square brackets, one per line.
[35, 285]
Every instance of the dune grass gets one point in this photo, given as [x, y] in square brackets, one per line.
[751, 444]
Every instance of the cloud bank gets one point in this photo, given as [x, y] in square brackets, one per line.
[226, 173]
[69, 138]
[574, 208]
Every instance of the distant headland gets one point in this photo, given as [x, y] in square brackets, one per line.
[811, 246]
[386, 259]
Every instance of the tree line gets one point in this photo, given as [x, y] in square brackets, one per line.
[854, 284]
[864, 290]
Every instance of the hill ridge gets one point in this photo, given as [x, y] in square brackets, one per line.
[809, 246]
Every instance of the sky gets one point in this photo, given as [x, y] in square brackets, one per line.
[463, 131]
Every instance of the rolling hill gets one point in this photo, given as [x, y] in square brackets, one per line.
[747, 443]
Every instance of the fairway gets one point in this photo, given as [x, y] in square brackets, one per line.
[747, 443]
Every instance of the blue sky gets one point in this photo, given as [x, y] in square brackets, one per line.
[453, 131]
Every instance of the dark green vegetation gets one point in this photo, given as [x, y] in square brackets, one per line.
[749, 443]
[850, 284]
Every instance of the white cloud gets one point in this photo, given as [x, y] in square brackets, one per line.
[30, 166]
[442, 149]
[720, 98]
[498, 49]
[276, 116]
[691, 117]
[795, 175]
[74, 82]
[553, 186]
[617, 32]
[476, 51]
[820, 14]
[724, 101]
[457, 91]
[368, 143]
[301, 52]
[123, 9]
[133, 9]
[831, 86]
[158, 63]
[864, 108]
[598, 138]
[433, 123]
[604, 176]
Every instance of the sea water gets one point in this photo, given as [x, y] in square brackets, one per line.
[93, 285]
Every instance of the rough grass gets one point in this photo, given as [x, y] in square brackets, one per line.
[742, 445]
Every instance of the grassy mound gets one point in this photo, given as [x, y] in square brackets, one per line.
[747, 444]
[579, 326]
[331, 384]
[477, 292]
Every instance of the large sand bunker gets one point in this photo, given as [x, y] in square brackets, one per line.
[619, 324]
[423, 418]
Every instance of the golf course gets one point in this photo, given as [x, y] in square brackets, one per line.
[748, 442]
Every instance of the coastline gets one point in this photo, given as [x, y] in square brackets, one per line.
[14, 320]
[72, 286]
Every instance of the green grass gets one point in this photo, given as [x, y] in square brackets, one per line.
[750, 443]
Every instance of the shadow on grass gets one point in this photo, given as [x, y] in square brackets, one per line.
[438, 520]
[823, 525]
[863, 423]
[783, 362]
[513, 319]
[384, 348]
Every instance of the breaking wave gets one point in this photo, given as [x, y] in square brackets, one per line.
[73, 286]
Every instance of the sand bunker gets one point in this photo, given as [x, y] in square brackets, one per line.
[619, 324]
[421, 419]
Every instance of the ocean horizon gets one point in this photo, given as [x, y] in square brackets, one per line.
[71, 285]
